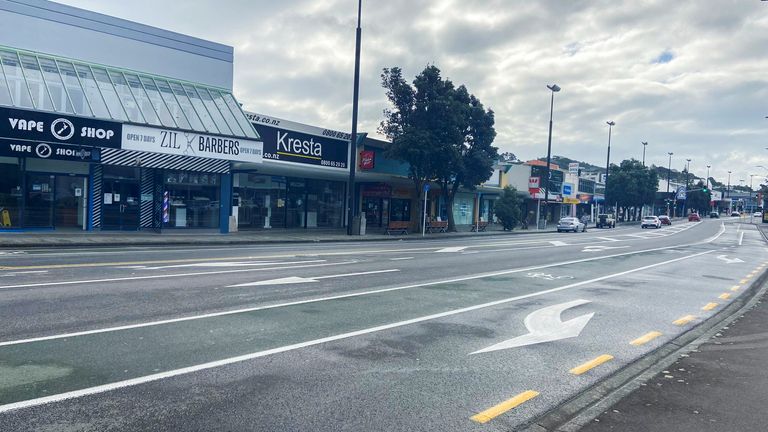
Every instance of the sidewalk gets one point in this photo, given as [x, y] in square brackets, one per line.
[721, 386]
[208, 237]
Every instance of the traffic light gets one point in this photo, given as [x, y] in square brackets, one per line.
[705, 190]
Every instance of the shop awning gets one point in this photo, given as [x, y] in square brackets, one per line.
[41, 82]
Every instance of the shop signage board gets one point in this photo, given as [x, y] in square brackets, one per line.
[185, 143]
[573, 168]
[42, 150]
[556, 177]
[367, 160]
[295, 143]
[36, 126]
[567, 189]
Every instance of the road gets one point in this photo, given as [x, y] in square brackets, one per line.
[392, 336]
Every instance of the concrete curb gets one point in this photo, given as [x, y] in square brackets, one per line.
[575, 413]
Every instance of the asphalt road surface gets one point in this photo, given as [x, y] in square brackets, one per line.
[456, 335]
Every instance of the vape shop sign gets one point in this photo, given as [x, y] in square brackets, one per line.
[36, 126]
[167, 141]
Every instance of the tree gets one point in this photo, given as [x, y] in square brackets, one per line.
[697, 199]
[507, 208]
[631, 185]
[442, 132]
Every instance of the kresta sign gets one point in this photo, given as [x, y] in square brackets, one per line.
[35, 126]
[298, 147]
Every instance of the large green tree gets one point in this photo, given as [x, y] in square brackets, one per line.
[698, 200]
[443, 133]
[631, 185]
[507, 208]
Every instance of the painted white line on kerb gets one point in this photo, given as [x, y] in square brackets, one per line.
[741, 238]
[321, 299]
[132, 278]
[292, 347]
[401, 258]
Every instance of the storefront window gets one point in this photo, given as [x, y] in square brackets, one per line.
[261, 201]
[10, 195]
[325, 204]
[400, 210]
[38, 212]
[194, 199]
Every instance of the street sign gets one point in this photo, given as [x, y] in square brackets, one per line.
[567, 189]
[573, 168]
[426, 187]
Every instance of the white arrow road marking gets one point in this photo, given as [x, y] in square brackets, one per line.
[558, 243]
[600, 248]
[453, 249]
[298, 279]
[544, 325]
[547, 276]
[729, 260]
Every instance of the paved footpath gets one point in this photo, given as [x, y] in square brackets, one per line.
[721, 386]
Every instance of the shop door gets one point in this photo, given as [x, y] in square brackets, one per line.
[121, 204]
[70, 202]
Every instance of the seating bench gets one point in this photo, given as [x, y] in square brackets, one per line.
[397, 228]
[479, 226]
[437, 226]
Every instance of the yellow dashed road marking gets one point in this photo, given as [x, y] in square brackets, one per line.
[580, 369]
[645, 338]
[709, 306]
[495, 411]
[735, 288]
[684, 320]
[724, 296]
[743, 281]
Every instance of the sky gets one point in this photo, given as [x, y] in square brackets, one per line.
[688, 77]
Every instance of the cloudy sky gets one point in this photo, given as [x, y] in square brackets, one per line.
[689, 77]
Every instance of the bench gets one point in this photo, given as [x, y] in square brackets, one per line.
[437, 226]
[479, 226]
[397, 228]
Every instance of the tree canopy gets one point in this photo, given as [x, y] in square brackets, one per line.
[630, 184]
[441, 131]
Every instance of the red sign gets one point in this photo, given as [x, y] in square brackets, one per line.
[367, 159]
[377, 190]
[533, 182]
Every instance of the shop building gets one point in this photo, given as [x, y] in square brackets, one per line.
[97, 133]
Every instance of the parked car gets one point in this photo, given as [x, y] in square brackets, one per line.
[735, 214]
[650, 222]
[714, 215]
[665, 220]
[605, 221]
[757, 214]
[571, 224]
[694, 217]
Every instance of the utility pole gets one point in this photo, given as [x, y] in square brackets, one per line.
[608, 165]
[711, 206]
[669, 178]
[352, 200]
[554, 88]
[645, 144]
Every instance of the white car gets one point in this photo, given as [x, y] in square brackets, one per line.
[757, 214]
[571, 224]
[651, 222]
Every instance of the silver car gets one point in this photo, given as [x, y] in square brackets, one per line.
[571, 224]
[650, 222]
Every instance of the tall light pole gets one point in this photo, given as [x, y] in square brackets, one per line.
[608, 164]
[711, 206]
[687, 175]
[728, 193]
[751, 204]
[645, 144]
[554, 88]
[352, 200]
[669, 178]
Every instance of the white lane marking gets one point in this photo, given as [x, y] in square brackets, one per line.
[296, 346]
[546, 276]
[609, 239]
[729, 260]
[22, 273]
[297, 279]
[216, 264]
[545, 325]
[164, 276]
[336, 297]
[600, 248]
[401, 258]
[716, 236]
[559, 243]
[3, 253]
[452, 249]
[741, 238]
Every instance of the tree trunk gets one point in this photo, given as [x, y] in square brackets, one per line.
[416, 207]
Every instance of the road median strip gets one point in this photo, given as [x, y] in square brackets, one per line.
[497, 410]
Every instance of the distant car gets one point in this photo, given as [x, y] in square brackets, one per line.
[650, 222]
[605, 221]
[757, 214]
[665, 220]
[571, 224]
[714, 215]
[735, 214]
[694, 217]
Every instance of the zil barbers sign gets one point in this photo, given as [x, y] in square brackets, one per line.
[184, 143]
[287, 141]
[36, 126]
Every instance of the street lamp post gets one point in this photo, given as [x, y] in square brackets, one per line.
[687, 175]
[645, 144]
[608, 165]
[728, 194]
[669, 178]
[554, 88]
[352, 200]
[711, 207]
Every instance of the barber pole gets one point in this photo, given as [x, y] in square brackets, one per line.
[165, 207]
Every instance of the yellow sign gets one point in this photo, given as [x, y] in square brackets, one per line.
[571, 201]
[6, 218]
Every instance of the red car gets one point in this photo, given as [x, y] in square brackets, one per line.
[665, 220]
[694, 217]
